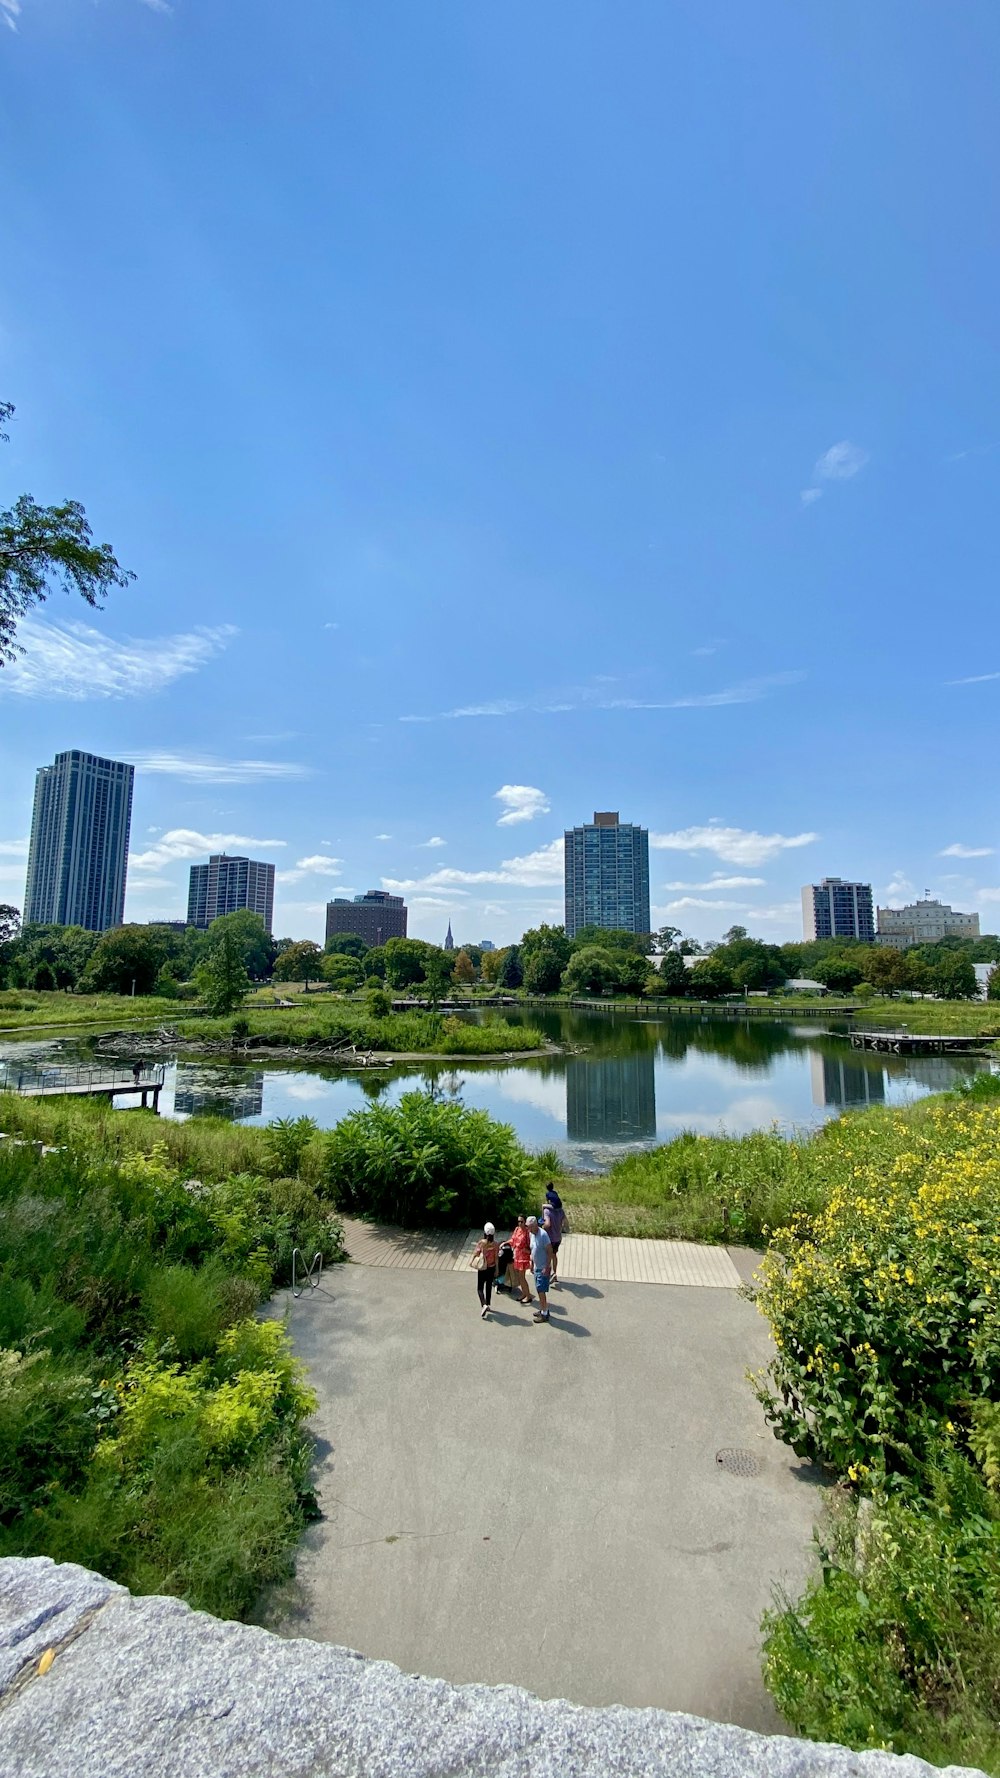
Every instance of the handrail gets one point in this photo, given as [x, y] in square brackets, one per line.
[315, 1267]
[17, 1077]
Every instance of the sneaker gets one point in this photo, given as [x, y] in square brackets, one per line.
[485, 1313]
[539, 1316]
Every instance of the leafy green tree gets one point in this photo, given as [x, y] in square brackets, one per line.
[665, 940]
[222, 978]
[614, 938]
[438, 968]
[165, 985]
[840, 974]
[49, 956]
[954, 978]
[672, 975]
[343, 973]
[42, 545]
[545, 952]
[345, 944]
[301, 962]
[10, 922]
[375, 962]
[591, 970]
[257, 948]
[710, 979]
[885, 969]
[125, 960]
[511, 970]
[404, 961]
[751, 963]
[379, 1004]
[492, 964]
[993, 983]
[463, 971]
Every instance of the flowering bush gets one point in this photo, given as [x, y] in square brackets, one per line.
[885, 1306]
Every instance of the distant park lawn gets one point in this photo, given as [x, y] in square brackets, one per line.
[27, 1009]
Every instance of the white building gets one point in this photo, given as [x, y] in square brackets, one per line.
[922, 923]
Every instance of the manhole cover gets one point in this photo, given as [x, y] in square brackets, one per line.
[735, 1462]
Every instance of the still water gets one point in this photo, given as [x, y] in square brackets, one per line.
[627, 1081]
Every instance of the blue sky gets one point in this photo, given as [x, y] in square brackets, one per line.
[595, 404]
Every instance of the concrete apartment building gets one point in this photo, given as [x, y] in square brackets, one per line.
[836, 909]
[228, 885]
[607, 875]
[374, 916]
[923, 923]
[78, 852]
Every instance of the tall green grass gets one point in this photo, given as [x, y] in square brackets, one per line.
[312, 1025]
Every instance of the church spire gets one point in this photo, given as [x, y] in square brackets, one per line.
[449, 943]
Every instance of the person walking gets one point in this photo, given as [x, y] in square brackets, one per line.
[520, 1240]
[541, 1260]
[484, 1259]
[554, 1224]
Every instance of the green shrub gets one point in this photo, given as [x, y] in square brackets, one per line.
[285, 1141]
[187, 1305]
[896, 1643]
[426, 1161]
[46, 1428]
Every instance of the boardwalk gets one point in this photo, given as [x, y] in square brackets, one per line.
[102, 1081]
[618, 1259]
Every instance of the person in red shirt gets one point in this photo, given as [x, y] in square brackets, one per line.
[520, 1240]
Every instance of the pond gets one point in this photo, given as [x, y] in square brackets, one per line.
[626, 1081]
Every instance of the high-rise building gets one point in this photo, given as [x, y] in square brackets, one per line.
[228, 886]
[78, 854]
[374, 916]
[835, 909]
[607, 875]
[923, 923]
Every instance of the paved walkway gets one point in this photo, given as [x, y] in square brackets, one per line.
[618, 1259]
[547, 1505]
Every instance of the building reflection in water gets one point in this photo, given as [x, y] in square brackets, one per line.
[836, 1081]
[219, 1092]
[611, 1098]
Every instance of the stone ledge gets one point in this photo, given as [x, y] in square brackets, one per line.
[145, 1686]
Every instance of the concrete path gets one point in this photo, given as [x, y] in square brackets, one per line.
[510, 1501]
[598, 1258]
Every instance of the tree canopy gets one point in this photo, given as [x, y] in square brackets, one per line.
[42, 546]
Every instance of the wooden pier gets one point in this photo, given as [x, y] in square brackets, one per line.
[144, 1081]
[917, 1043]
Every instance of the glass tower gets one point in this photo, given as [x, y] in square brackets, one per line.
[607, 875]
[228, 886]
[78, 854]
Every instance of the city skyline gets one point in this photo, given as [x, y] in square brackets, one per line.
[495, 437]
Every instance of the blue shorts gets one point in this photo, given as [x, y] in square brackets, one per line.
[542, 1282]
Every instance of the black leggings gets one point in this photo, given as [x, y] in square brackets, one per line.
[484, 1283]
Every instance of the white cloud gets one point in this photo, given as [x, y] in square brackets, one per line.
[185, 843]
[320, 864]
[201, 768]
[973, 679]
[521, 802]
[841, 462]
[10, 12]
[808, 496]
[898, 888]
[720, 882]
[736, 845]
[531, 870]
[434, 841]
[959, 851]
[145, 885]
[75, 662]
[383, 836]
[988, 894]
[13, 848]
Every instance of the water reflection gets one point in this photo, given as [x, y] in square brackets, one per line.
[623, 1081]
[611, 1099]
[233, 1093]
[838, 1080]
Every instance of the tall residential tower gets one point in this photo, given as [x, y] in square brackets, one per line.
[226, 886]
[607, 875]
[78, 854]
[835, 909]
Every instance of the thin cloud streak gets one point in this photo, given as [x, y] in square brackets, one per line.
[75, 662]
[960, 851]
[203, 769]
[182, 843]
[749, 691]
[973, 679]
[736, 845]
[841, 462]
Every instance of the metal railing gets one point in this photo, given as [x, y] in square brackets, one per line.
[25, 1077]
[310, 1274]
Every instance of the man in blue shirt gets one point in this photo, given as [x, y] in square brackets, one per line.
[541, 1260]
